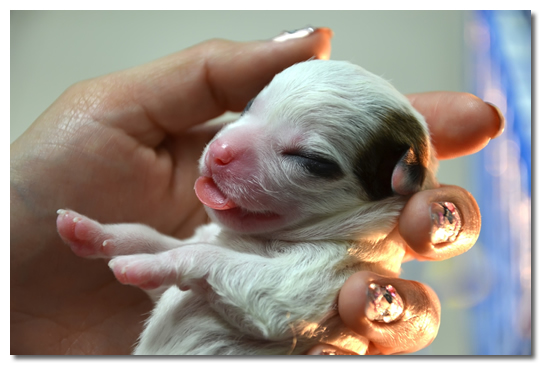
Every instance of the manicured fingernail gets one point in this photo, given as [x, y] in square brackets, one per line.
[293, 34]
[446, 222]
[502, 119]
[383, 304]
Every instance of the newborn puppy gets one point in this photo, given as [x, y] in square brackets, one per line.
[302, 190]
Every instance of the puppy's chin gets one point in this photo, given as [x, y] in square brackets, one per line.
[246, 222]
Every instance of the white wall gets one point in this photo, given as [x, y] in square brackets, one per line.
[417, 51]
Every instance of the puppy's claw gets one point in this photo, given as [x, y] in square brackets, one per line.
[111, 264]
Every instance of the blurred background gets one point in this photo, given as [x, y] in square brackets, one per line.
[486, 292]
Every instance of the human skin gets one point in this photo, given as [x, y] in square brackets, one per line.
[121, 148]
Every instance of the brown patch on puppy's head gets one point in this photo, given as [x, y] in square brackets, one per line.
[400, 143]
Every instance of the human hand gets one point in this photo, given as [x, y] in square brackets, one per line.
[120, 148]
[460, 124]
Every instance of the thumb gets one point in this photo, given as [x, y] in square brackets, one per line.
[172, 94]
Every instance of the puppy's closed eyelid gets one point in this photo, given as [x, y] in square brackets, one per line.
[317, 165]
[247, 108]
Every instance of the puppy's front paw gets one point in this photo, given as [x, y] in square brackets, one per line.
[147, 271]
[84, 235]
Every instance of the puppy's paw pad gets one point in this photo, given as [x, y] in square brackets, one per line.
[83, 235]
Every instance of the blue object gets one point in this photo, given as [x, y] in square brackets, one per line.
[501, 55]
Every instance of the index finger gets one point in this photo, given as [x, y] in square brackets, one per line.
[460, 123]
[174, 93]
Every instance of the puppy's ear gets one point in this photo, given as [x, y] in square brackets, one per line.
[393, 161]
[408, 175]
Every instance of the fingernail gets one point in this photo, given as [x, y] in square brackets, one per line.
[446, 222]
[502, 119]
[383, 304]
[294, 34]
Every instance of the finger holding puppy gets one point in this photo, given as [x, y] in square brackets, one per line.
[439, 224]
[460, 123]
[435, 225]
[395, 315]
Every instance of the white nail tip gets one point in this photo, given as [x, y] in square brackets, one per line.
[299, 33]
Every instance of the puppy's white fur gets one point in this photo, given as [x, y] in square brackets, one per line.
[264, 277]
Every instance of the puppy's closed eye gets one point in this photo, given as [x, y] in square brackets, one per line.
[247, 108]
[315, 164]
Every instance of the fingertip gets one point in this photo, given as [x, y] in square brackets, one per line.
[484, 120]
[498, 116]
[411, 331]
[313, 44]
[359, 302]
[323, 50]
[440, 223]
[357, 298]
[460, 123]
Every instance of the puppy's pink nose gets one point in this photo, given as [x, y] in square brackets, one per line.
[221, 153]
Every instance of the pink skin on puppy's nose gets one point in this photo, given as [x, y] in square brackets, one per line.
[220, 153]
